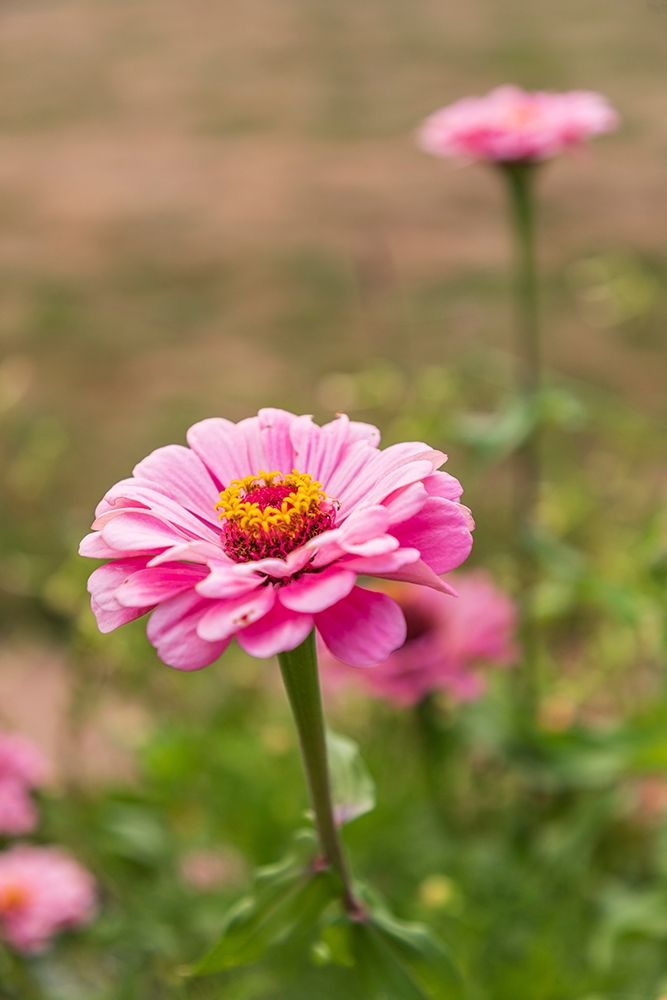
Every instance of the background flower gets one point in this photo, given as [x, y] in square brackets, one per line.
[218, 547]
[449, 641]
[42, 891]
[510, 124]
[22, 768]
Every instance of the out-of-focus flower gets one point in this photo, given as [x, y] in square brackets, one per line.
[217, 547]
[42, 891]
[22, 767]
[512, 125]
[205, 870]
[448, 640]
[650, 799]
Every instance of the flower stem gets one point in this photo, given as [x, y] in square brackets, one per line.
[300, 677]
[520, 178]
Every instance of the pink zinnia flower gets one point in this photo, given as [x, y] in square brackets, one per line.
[216, 547]
[22, 767]
[448, 640]
[42, 891]
[510, 125]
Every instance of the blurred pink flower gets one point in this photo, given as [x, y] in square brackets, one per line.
[42, 891]
[18, 814]
[448, 640]
[22, 767]
[22, 760]
[206, 869]
[291, 544]
[510, 125]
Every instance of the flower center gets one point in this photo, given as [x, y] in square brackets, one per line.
[13, 897]
[271, 514]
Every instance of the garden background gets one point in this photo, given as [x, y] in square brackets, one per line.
[207, 208]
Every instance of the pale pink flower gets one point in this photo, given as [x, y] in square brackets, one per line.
[22, 760]
[22, 767]
[18, 814]
[449, 642]
[205, 870]
[512, 125]
[218, 547]
[42, 891]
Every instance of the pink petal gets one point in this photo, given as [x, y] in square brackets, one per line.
[229, 580]
[93, 546]
[156, 584]
[214, 441]
[276, 632]
[320, 450]
[181, 475]
[194, 552]
[362, 629]
[139, 533]
[275, 427]
[441, 484]
[226, 617]
[442, 533]
[105, 580]
[389, 562]
[314, 592]
[418, 572]
[172, 628]
[123, 496]
[109, 619]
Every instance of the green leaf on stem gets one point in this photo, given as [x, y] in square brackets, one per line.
[352, 786]
[281, 910]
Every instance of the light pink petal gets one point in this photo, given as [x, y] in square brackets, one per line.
[389, 562]
[224, 618]
[275, 427]
[157, 584]
[228, 580]
[405, 502]
[139, 533]
[314, 592]
[441, 484]
[214, 441]
[122, 499]
[442, 533]
[277, 632]
[105, 580]
[320, 450]
[363, 629]
[418, 572]
[194, 552]
[109, 619]
[172, 628]
[93, 546]
[181, 475]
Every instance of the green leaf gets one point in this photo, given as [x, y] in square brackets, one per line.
[281, 909]
[426, 957]
[382, 975]
[352, 786]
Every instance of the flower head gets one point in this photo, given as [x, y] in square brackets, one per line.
[216, 547]
[511, 125]
[42, 891]
[22, 768]
[448, 641]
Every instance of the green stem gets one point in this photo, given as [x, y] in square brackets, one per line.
[300, 677]
[520, 178]
[433, 746]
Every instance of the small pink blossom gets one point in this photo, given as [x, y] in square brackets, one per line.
[216, 547]
[42, 891]
[206, 870]
[22, 767]
[512, 125]
[448, 640]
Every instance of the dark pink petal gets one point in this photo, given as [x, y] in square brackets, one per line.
[362, 629]
[277, 632]
[314, 592]
[109, 619]
[225, 618]
[442, 533]
[172, 628]
[156, 584]
[181, 475]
